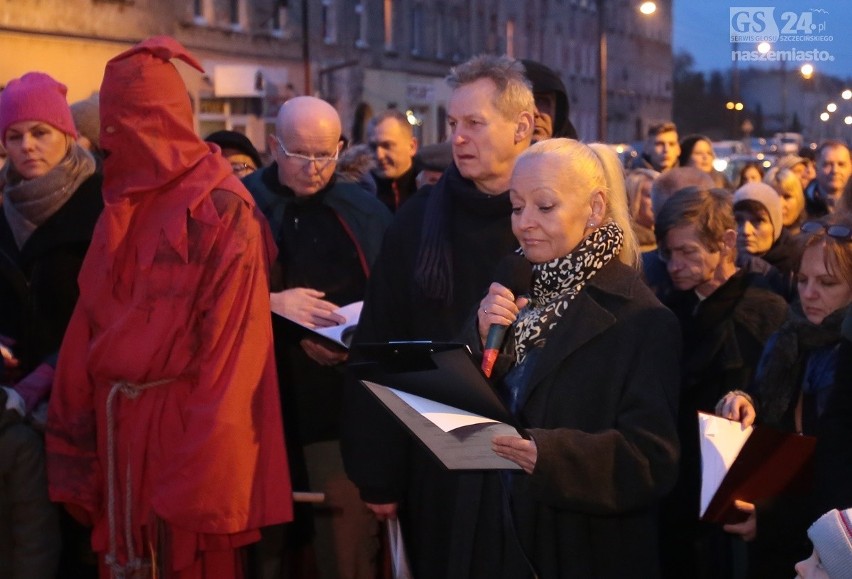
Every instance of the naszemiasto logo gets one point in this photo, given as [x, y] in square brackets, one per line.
[761, 24]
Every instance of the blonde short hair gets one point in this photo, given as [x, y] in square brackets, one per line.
[592, 168]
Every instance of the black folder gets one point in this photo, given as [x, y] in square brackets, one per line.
[441, 371]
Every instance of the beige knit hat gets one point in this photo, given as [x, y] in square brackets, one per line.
[87, 119]
[768, 198]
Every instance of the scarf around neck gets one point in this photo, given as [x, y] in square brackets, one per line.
[796, 339]
[557, 282]
[433, 271]
[29, 203]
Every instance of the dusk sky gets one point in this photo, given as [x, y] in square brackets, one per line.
[703, 28]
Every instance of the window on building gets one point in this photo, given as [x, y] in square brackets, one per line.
[510, 38]
[493, 41]
[201, 10]
[363, 22]
[236, 10]
[329, 22]
[440, 23]
[278, 21]
[442, 124]
[417, 30]
[388, 21]
[458, 35]
[530, 38]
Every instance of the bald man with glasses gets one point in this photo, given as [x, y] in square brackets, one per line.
[328, 233]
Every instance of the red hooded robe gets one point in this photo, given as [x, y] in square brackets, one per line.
[164, 424]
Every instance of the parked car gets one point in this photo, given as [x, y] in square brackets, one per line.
[786, 143]
[733, 164]
[725, 149]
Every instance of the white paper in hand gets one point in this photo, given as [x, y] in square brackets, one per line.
[721, 442]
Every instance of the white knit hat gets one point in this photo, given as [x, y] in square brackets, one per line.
[831, 535]
[766, 196]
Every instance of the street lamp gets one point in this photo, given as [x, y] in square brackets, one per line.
[648, 8]
[645, 8]
[734, 107]
[807, 71]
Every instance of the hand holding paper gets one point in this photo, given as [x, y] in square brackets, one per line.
[306, 307]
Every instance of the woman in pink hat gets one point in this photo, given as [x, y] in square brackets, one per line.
[51, 199]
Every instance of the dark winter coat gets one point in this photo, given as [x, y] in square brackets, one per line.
[394, 192]
[38, 283]
[601, 405]
[326, 242]
[723, 337]
[782, 522]
[29, 528]
[381, 458]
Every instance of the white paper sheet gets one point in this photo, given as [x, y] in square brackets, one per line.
[721, 442]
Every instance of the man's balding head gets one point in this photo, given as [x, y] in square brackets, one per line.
[307, 114]
[306, 128]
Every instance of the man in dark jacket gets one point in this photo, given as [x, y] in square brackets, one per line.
[833, 168]
[436, 263]
[394, 145]
[661, 149]
[328, 234]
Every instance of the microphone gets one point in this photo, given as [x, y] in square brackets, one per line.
[513, 272]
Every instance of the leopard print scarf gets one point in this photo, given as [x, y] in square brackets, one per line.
[556, 283]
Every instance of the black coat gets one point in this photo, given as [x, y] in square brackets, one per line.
[29, 528]
[601, 406]
[723, 338]
[38, 283]
[380, 457]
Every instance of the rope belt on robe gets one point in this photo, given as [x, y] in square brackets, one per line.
[134, 564]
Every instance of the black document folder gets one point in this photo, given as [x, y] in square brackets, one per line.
[433, 389]
[440, 371]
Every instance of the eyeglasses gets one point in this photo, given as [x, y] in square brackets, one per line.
[321, 160]
[240, 168]
[841, 232]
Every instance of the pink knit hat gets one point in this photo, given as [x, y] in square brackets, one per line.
[35, 97]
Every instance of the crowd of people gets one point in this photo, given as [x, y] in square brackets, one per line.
[157, 420]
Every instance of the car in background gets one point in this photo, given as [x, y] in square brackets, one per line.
[786, 144]
[732, 165]
[626, 152]
[725, 149]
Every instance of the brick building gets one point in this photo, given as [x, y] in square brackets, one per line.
[361, 55]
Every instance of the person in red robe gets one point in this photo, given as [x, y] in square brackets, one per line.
[164, 428]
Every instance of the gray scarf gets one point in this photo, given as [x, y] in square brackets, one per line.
[28, 203]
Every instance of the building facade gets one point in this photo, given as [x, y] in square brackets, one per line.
[361, 55]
